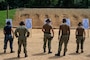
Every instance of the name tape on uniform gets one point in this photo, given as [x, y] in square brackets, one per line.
[28, 23]
[86, 23]
[10, 20]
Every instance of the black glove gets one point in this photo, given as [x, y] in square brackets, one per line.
[51, 38]
[16, 36]
[27, 35]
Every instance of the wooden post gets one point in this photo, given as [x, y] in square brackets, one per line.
[87, 3]
[7, 11]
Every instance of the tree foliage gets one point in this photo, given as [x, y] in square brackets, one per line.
[44, 3]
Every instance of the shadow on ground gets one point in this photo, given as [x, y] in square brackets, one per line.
[55, 57]
[2, 53]
[14, 58]
[87, 55]
[39, 54]
[74, 53]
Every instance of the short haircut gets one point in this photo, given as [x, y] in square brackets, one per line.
[64, 20]
[21, 23]
[80, 24]
[8, 23]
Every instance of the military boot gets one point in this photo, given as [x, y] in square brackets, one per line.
[11, 51]
[44, 50]
[4, 50]
[18, 56]
[58, 54]
[26, 55]
[77, 52]
[64, 54]
[82, 51]
[49, 51]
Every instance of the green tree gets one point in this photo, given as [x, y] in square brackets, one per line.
[53, 3]
[3, 5]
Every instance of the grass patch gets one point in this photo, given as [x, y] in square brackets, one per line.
[3, 16]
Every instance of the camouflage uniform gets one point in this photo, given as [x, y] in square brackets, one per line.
[64, 38]
[80, 38]
[22, 38]
[47, 37]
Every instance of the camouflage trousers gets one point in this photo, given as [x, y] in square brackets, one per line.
[22, 41]
[80, 40]
[47, 38]
[64, 39]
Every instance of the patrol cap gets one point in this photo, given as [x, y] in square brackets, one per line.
[21, 23]
[48, 20]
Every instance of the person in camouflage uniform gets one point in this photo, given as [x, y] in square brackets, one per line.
[80, 37]
[22, 33]
[65, 29]
[47, 29]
